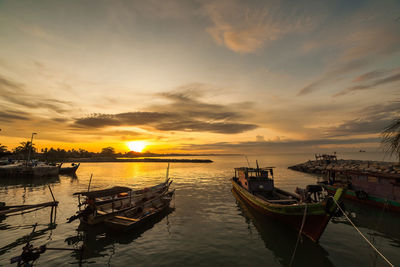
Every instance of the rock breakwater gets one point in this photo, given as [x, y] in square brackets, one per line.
[319, 166]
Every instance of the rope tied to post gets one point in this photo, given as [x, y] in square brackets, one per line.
[299, 236]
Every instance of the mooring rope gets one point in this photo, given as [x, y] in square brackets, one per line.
[366, 239]
[299, 236]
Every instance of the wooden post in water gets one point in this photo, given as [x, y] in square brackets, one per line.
[51, 214]
[51, 192]
[52, 207]
[90, 181]
[130, 198]
[55, 215]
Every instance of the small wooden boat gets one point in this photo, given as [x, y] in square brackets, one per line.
[367, 187]
[309, 211]
[69, 169]
[102, 204]
[141, 214]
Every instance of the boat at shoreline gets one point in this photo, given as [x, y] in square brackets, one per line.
[371, 188]
[28, 170]
[308, 212]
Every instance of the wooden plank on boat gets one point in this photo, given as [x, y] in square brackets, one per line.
[126, 218]
[281, 200]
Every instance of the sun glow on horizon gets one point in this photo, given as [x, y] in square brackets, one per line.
[136, 146]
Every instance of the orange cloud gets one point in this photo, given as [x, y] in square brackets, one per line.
[244, 29]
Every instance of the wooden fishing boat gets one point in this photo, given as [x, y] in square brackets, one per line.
[141, 214]
[69, 169]
[30, 170]
[371, 188]
[308, 212]
[102, 204]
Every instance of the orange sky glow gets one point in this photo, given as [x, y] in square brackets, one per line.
[199, 76]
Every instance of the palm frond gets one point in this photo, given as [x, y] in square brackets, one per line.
[391, 138]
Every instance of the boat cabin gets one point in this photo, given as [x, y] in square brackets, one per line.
[255, 179]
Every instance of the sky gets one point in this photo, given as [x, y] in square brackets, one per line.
[199, 76]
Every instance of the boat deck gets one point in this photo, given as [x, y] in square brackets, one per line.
[277, 198]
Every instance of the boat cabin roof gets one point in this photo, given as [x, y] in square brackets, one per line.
[364, 172]
[247, 169]
[256, 172]
[105, 192]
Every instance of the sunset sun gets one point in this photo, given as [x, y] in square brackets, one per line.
[136, 146]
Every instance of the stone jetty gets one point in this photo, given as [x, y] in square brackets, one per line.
[326, 162]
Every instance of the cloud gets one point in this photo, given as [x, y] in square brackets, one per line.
[6, 83]
[260, 138]
[15, 94]
[364, 39]
[201, 126]
[370, 75]
[377, 82]
[246, 27]
[371, 120]
[278, 146]
[8, 115]
[185, 112]
[127, 118]
[331, 75]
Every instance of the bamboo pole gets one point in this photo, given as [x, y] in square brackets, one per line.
[90, 181]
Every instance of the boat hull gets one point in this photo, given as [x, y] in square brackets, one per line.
[114, 224]
[122, 205]
[368, 200]
[69, 170]
[292, 215]
[22, 171]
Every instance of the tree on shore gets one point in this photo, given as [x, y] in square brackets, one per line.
[3, 149]
[23, 149]
[391, 138]
[108, 151]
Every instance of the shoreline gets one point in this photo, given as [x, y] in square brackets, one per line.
[94, 160]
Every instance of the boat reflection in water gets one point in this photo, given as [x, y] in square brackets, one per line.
[281, 240]
[48, 228]
[28, 181]
[381, 223]
[97, 239]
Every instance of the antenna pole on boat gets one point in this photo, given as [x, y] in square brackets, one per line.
[90, 181]
[248, 163]
[257, 164]
[30, 149]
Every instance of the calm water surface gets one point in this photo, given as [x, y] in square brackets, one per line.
[208, 227]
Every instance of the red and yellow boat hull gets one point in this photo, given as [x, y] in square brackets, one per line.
[316, 219]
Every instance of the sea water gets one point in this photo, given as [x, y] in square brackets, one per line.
[207, 227]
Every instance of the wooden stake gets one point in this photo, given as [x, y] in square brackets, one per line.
[51, 215]
[90, 181]
[51, 192]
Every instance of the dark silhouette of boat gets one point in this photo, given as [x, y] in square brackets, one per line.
[69, 170]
